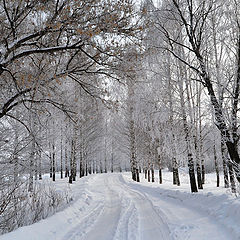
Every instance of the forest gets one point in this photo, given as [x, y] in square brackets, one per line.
[103, 86]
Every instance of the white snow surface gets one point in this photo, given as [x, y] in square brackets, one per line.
[113, 207]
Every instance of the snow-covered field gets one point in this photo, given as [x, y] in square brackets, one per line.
[113, 207]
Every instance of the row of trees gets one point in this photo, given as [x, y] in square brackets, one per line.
[95, 86]
[192, 50]
[55, 56]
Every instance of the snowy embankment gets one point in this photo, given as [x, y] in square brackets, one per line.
[217, 203]
[113, 207]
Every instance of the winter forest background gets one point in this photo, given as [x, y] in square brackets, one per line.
[100, 86]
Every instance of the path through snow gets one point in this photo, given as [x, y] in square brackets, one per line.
[112, 208]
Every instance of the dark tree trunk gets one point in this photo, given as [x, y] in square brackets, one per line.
[53, 164]
[112, 159]
[81, 165]
[112, 166]
[203, 172]
[191, 173]
[216, 165]
[145, 173]
[40, 167]
[225, 162]
[31, 165]
[174, 176]
[61, 157]
[134, 175]
[159, 165]
[160, 175]
[152, 170]
[221, 124]
[66, 163]
[90, 169]
[101, 167]
[71, 165]
[86, 168]
[232, 179]
[80, 169]
[177, 177]
[199, 176]
[105, 169]
[198, 166]
[148, 173]
[187, 134]
[70, 178]
[176, 180]
[94, 167]
[137, 174]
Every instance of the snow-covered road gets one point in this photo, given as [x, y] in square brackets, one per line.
[110, 207]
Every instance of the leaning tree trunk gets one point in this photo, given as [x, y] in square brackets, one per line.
[221, 124]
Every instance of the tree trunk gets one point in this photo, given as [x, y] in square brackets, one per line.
[232, 179]
[94, 167]
[191, 173]
[225, 162]
[61, 157]
[187, 136]
[86, 166]
[216, 164]
[31, 166]
[71, 165]
[66, 161]
[81, 174]
[160, 175]
[101, 167]
[198, 166]
[176, 180]
[148, 173]
[137, 175]
[50, 162]
[221, 124]
[112, 158]
[40, 166]
[105, 154]
[53, 163]
[152, 170]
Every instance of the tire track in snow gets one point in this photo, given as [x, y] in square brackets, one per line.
[185, 222]
[79, 230]
[152, 225]
[106, 224]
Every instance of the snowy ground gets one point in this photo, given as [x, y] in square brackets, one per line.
[112, 207]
